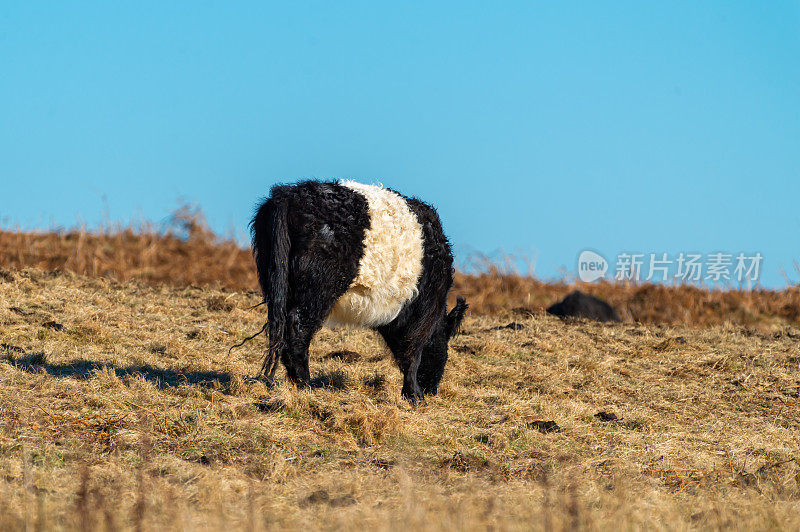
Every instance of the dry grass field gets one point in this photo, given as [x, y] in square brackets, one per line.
[121, 407]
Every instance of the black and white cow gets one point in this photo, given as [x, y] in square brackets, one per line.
[344, 253]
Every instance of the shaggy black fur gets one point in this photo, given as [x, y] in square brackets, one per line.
[307, 244]
[580, 305]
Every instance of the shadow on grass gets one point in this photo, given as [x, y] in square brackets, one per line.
[159, 377]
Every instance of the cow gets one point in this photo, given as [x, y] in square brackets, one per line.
[342, 253]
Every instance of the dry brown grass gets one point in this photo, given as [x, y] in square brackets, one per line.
[189, 254]
[126, 411]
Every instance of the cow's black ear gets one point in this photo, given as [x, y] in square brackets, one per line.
[455, 317]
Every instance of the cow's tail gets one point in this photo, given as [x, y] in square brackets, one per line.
[271, 246]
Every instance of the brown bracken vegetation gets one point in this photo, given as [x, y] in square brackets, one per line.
[189, 254]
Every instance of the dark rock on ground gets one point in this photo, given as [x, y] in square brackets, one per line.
[606, 416]
[514, 326]
[544, 426]
[580, 305]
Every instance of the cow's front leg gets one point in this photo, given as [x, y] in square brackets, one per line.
[409, 365]
[407, 351]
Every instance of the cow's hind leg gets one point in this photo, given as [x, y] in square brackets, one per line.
[310, 304]
[303, 323]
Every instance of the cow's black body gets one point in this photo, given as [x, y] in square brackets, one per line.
[308, 241]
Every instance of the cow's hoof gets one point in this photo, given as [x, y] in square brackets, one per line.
[302, 384]
[431, 391]
[415, 398]
[269, 382]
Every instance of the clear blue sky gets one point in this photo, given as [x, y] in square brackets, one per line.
[540, 127]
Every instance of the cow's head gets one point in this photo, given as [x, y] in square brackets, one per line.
[434, 356]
